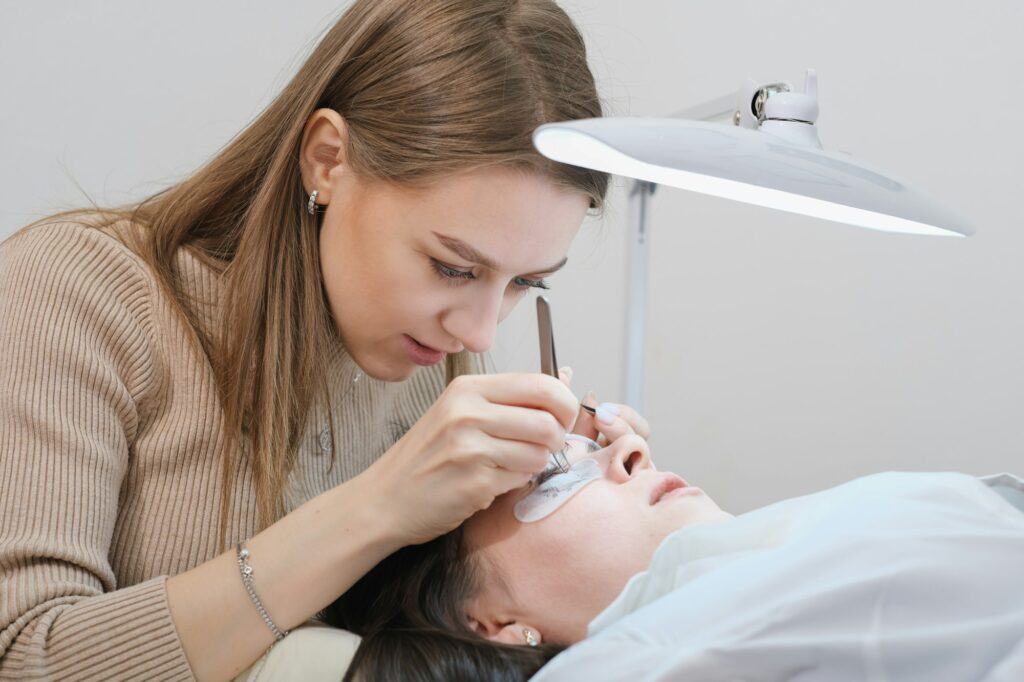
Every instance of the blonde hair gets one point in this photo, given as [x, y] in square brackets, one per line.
[426, 88]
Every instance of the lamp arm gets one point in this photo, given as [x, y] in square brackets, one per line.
[637, 256]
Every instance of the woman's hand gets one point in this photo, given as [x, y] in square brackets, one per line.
[485, 435]
[611, 422]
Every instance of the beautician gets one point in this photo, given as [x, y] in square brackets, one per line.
[204, 395]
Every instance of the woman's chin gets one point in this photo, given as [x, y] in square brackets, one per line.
[389, 373]
[382, 369]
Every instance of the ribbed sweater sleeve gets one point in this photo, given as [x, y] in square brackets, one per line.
[76, 366]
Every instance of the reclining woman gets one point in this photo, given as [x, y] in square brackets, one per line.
[891, 576]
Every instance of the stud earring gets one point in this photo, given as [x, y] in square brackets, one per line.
[531, 640]
[311, 204]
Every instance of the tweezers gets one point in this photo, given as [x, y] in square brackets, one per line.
[549, 365]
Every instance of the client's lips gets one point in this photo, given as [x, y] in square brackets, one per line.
[665, 483]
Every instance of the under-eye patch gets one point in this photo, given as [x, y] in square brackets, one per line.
[556, 490]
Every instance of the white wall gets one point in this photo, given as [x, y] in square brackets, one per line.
[785, 353]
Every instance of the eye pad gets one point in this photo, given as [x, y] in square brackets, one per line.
[547, 497]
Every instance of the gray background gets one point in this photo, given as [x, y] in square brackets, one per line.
[785, 354]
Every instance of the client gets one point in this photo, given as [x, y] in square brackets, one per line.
[891, 576]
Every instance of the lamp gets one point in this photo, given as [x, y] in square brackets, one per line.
[769, 157]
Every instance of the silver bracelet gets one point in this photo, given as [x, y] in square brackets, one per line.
[246, 571]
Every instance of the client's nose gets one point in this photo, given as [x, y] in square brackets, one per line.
[629, 455]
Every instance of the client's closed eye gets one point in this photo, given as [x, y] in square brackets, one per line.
[541, 477]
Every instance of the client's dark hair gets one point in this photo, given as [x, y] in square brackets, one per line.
[410, 612]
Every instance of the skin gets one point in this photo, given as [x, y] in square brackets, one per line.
[602, 536]
[388, 271]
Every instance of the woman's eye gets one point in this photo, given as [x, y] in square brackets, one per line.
[523, 283]
[452, 275]
[449, 273]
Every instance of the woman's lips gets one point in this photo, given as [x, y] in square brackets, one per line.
[664, 484]
[420, 354]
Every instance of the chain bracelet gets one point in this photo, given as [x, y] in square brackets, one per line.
[246, 570]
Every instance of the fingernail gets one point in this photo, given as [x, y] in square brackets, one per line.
[604, 416]
[567, 370]
[590, 398]
[609, 407]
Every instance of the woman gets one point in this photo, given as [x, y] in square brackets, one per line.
[891, 576]
[229, 363]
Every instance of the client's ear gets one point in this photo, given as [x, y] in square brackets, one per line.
[512, 632]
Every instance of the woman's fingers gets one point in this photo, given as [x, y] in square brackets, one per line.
[630, 416]
[611, 427]
[534, 390]
[506, 422]
[503, 481]
[608, 411]
[610, 420]
[519, 458]
[585, 422]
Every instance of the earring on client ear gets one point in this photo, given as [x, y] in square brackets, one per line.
[311, 204]
[531, 640]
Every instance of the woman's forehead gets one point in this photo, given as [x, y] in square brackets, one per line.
[521, 221]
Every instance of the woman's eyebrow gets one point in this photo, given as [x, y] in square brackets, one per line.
[464, 250]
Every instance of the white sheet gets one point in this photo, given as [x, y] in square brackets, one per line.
[895, 576]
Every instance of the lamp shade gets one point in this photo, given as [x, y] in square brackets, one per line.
[745, 165]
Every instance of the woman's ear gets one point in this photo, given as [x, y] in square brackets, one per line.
[324, 147]
[513, 632]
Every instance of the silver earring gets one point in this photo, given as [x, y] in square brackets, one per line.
[531, 640]
[311, 204]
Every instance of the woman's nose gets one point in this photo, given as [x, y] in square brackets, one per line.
[629, 455]
[475, 326]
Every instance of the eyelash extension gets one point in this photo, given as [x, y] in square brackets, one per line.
[452, 276]
[543, 476]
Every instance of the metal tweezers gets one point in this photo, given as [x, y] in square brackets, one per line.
[549, 366]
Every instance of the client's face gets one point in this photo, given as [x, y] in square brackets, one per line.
[555, 574]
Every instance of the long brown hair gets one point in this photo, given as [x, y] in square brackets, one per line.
[409, 611]
[426, 87]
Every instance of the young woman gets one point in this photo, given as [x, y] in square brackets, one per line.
[908, 576]
[229, 363]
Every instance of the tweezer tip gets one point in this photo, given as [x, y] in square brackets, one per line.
[560, 462]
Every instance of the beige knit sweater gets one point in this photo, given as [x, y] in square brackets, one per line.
[110, 439]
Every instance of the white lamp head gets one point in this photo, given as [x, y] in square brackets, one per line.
[779, 165]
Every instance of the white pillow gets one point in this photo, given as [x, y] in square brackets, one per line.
[310, 653]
